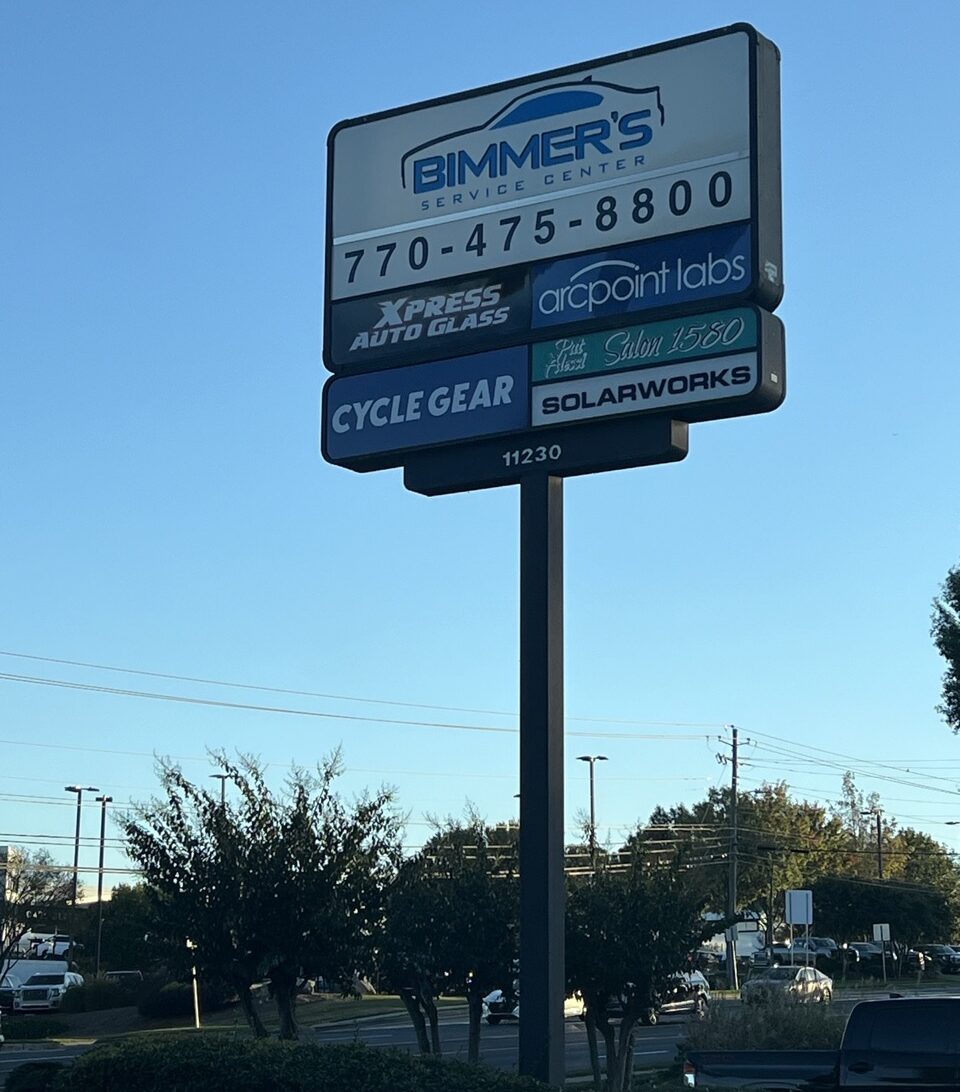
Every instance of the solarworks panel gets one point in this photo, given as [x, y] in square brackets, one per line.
[443, 216]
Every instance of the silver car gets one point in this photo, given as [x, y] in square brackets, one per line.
[795, 984]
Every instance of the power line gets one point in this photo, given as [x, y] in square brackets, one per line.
[338, 697]
[288, 711]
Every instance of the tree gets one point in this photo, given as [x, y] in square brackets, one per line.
[415, 945]
[453, 924]
[795, 840]
[945, 630]
[848, 908]
[130, 930]
[32, 890]
[271, 885]
[629, 931]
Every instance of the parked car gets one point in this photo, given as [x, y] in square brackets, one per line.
[870, 957]
[130, 980]
[775, 956]
[798, 984]
[44, 992]
[942, 956]
[825, 947]
[8, 986]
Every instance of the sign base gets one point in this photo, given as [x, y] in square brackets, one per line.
[559, 452]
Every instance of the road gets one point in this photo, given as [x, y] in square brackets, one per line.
[12, 1056]
[498, 1045]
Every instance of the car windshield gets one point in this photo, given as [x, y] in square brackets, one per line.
[45, 980]
[777, 974]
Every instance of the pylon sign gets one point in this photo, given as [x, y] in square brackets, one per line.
[557, 253]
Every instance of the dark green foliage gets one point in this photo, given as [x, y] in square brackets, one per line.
[131, 939]
[628, 931]
[222, 1064]
[176, 999]
[945, 630]
[95, 995]
[20, 1028]
[451, 924]
[848, 908]
[35, 1077]
[266, 884]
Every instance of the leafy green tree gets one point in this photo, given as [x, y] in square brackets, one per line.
[945, 630]
[913, 857]
[33, 892]
[782, 842]
[327, 868]
[477, 867]
[130, 939]
[452, 924]
[847, 908]
[267, 885]
[414, 947]
[629, 929]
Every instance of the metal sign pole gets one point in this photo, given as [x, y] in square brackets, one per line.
[542, 973]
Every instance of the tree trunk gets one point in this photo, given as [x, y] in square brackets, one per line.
[286, 1004]
[624, 1064]
[430, 1004]
[283, 980]
[590, 1021]
[474, 1008]
[412, 1005]
[610, 1042]
[249, 1008]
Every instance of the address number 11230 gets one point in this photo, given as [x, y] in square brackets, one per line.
[526, 455]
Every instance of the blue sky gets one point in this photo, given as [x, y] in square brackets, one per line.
[163, 505]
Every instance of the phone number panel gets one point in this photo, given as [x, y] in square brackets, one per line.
[604, 216]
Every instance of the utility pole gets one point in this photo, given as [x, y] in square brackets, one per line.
[879, 847]
[102, 801]
[732, 976]
[78, 790]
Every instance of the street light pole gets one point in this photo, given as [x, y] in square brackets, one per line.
[592, 759]
[102, 801]
[79, 790]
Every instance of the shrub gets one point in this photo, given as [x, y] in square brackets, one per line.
[32, 1027]
[773, 1025]
[34, 1077]
[225, 1064]
[176, 999]
[94, 995]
